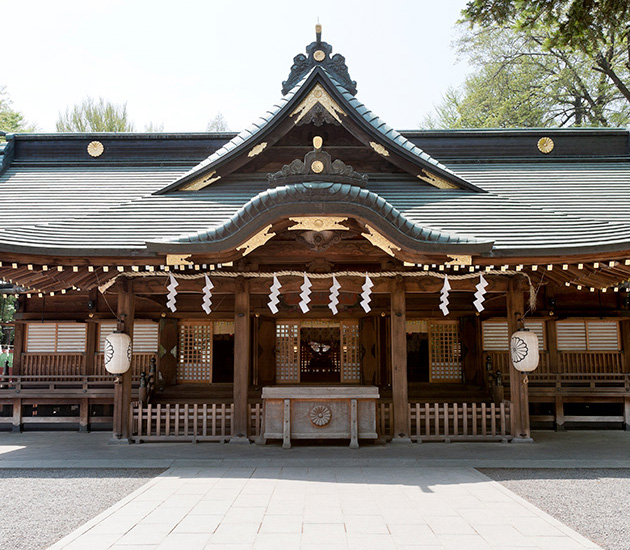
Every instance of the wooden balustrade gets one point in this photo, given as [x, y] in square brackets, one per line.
[569, 362]
[57, 364]
[140, 363]
[600, 362]
[56, 386]
[384, 418]
[181, 422]
[459, 421]
[255, 419]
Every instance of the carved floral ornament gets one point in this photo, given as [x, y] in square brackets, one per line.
[327, 223]
[320, 415]
[318, 96]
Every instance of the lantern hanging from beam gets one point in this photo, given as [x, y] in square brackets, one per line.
[117, 353]
[524, 350]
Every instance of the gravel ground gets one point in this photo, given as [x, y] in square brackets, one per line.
[593, 502]
[40, 506]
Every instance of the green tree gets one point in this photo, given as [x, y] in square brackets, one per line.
[521, 82]
[599, 29]
[95, 116]
[11, 121]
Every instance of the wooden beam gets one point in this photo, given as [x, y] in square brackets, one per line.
[122, 392]
[518, 388]
[399, 361]
[240, 419]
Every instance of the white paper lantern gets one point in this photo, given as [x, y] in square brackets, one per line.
[524, 350]
[117, 353]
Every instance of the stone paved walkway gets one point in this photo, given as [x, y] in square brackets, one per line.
[392, 496]
[334, 507]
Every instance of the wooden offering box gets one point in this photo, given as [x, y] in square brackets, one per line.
[320, 412]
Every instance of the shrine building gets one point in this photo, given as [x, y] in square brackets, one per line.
[319, 275]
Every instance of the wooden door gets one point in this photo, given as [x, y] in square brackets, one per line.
[287, 352]
[445, 364]
[350, 352]
[194, 363]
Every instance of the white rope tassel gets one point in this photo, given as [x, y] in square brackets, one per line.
[305, 294]
[207, 296]
[444, 296]
[479, 295]
[274, 292]
[172, 293]
[366, 294]
[334, 296]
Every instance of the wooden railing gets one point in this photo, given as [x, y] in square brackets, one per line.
[384, 425]
[255, 419]
[590, 362]
[181, 422]
[140, 363]
[52, 386]
[41, 364]
[577, 362]
[582, 383]
[459, 421]
[501, 362]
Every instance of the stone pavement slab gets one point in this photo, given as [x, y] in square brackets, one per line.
[366, 507]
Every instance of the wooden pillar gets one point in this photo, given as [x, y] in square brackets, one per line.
[122, 391]
[552, 346]
[240, 420]
[167, 355]
[625, 343]
[90, 348]
[519, 413]
[18, 348]
[399, 361]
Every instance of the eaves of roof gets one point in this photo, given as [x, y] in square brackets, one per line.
[256, 132]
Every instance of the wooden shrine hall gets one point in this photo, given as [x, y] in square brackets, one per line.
[318, 276]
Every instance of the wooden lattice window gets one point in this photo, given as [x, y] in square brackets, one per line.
[55, 337]
[145, 335]
[350, 352]
[444, 352]
[195, 352]
[588, 335]
[495, 334]
[287, 352]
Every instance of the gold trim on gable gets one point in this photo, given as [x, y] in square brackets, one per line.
[257, 240]
[380, 241]
[321, 96]
[328, 223]
[436, 181]
[200, 183]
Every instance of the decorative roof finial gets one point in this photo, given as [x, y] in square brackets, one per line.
[319, 53]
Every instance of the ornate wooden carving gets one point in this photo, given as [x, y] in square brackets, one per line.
[436, 181]
[317, 166]
[319, 223]
[257, 240]
[319, 53]
[318, 96]
[379, 240]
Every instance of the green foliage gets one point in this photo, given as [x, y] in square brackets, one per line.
[598, 29]
[11, 121]
[519, 82]
[7, 309]
[95, 116]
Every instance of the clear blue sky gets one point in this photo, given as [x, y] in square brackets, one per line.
[180, 62]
